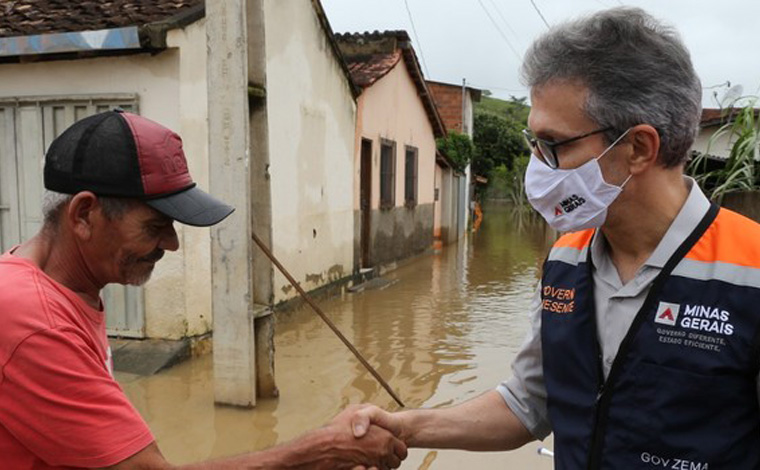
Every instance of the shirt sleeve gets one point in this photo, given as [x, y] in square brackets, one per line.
[58, 400]
[525, 391]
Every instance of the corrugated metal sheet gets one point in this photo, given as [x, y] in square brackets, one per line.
[105, 39]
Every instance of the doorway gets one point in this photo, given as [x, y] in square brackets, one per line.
[365, 200]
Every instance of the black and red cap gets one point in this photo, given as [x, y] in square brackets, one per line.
[119, 154]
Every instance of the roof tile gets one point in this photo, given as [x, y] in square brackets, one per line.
[32, 17]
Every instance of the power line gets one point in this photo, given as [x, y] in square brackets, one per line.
[539, 13]
[416, 38]
[504, 19]
[501, 33]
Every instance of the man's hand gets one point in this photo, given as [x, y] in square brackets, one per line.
[373, 448]
[366, 415]
[332, 447]
[484, 423]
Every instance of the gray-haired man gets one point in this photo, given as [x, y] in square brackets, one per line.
[645, 343]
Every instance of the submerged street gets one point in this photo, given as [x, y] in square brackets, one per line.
[444, 332]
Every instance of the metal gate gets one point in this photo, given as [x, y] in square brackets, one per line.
[27, 127]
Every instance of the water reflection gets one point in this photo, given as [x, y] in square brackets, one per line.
[445, 332]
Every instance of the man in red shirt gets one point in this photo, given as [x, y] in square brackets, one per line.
[116, 183]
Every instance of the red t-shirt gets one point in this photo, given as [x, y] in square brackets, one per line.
[60, 407]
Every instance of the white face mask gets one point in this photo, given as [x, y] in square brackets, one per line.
[571, 200]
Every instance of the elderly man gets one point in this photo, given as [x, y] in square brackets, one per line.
[117, 182]
[645, 345]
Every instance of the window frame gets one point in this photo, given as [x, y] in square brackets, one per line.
[411, 200]
[388, 188]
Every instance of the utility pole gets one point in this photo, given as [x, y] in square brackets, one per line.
[464, 95]
[231, 250]
[468, 171]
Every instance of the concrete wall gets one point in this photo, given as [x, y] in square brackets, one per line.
[446, 203]
[746, 203]
[171, 88]
[469, 114]
[391, 109]
[400, 232]
[720, 147]
[448, 99]
[437, 223]
[311, 114]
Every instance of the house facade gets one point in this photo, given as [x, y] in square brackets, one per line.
[267, 112]
[396, 127]
[44, 90]
[456, 106]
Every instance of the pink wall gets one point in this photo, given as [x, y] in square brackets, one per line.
[391, 109]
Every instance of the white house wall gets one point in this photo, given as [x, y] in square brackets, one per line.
[720, 147]
[311, 115]
[171, 90]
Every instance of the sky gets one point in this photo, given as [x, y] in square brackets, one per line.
[482, 41]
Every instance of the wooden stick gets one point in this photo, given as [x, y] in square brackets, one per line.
[332, 326]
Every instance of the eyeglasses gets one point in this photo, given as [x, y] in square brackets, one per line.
[547, 150]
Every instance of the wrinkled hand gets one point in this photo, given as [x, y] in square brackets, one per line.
[373, 448]
[365, 417]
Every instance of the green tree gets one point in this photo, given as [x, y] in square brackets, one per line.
[499, 144]
[498, 141]
[458, 147]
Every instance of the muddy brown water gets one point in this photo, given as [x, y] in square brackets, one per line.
[444, 333]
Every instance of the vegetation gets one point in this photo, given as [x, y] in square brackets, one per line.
[458, 147]
[514, 109]
[741, 171]
[500, 150]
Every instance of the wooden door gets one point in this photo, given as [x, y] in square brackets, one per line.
[366, 201]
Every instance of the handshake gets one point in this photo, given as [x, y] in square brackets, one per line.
[364, 437]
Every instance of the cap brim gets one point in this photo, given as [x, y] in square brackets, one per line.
[192, 207]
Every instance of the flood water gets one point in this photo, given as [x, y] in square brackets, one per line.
[445, 332]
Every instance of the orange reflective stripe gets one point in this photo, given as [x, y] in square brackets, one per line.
[732, 238]
[577, 240]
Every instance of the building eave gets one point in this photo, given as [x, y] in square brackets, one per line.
[317, 5]
[126, 40]
[413, 65]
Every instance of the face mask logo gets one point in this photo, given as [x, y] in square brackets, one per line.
[571, 203]
[571, 200]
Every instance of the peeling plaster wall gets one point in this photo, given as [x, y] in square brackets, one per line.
[171, 89]
[311, 116]
[192, 111]
[391, 109]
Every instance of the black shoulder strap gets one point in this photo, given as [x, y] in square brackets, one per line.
[605, 393]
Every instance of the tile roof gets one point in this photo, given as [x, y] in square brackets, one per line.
[366, 72]
[719, 116]
[370, 56]
[32, 17]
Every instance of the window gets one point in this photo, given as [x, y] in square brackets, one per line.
[387, 174]
[410, 177]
